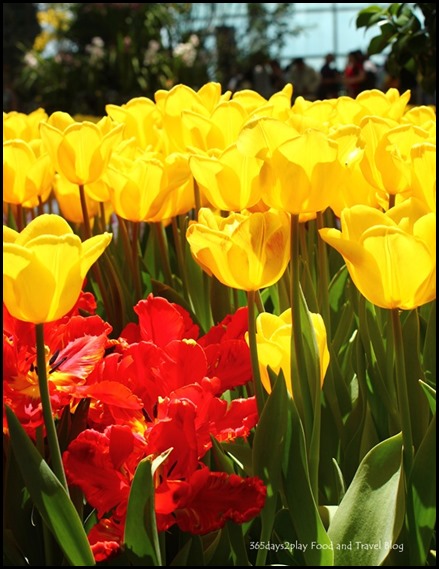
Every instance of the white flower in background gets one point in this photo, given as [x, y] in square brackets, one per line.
[151, 53]
[30, 60]
[186, 51]
[194, 40]
[95, 49]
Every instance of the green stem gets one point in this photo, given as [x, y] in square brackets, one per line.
[401, 387]
[11, 218]
[197, 199]
[392, 200]
[103, 216]
[40, 206]
[19, 218]
[130, 254]
[52, 439]
[181, 262]
[164, 254]
[259, 301]
[258, 388]
[323, 277]
[136, 259]
[96, 268]
[299, 382]
[85, 216]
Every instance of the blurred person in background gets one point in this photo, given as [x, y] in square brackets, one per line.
[305, 79]
[354, 74]
[330, 79]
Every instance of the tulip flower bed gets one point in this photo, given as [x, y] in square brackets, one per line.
[219, 332]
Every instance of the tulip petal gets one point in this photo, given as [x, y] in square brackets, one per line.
[46, 224]
[397, 254]
[28, 285]
[92, 249]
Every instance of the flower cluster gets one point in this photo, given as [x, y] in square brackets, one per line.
[156, 388]
[238, 292]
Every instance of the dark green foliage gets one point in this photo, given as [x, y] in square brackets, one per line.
[409, 30]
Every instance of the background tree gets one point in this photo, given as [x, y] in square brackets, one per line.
[20, 28]
[408, 33]
[90, 54]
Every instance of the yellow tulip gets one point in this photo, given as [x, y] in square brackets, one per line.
[273, 338]
[246, 251]
[44, 268]
[318, 115]
[134, 185]
[423, 159]
[231, 181]
[386, 163]
[391, 256]
[422, 116]
[260, 137]
[352, 187]
[23, 126]
[277, 106]
[80, 151]
[390, 104]
[142, 121]
[176, 196]
[216, 131]
[69, 202]
[27, 172]
[182, 98]
[304, 174]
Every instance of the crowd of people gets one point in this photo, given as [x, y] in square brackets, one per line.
[359, 74]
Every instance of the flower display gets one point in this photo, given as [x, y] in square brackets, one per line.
[273, 336]
[219, 330]
[27, 172]
[245, 250]
[44, 268]
[381, 250]
[79, 150]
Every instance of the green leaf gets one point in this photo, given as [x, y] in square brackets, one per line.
[237, 544]
[12, 554]
[371, 514]
[192, 553]
[302, 507]
[270, 436]
[429, 346]
[341, 490]
[268, 449]
[18, 512]
[419, 411]
[378, 44]
[422, 497]
[223, 463]
[141, 536]
[368, 16]
[50, 497]
[431, 395]
[241, 454]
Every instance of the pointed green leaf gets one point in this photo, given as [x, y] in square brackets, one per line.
[270, 435]
[237, 544]
[431, 395]
[302, 507]
[371, 514]
[368, 16]
[422, 497]
[222, 462]
[49, 497]
[141, 536]
[268, 449]
[429, 347]
[241, 454]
